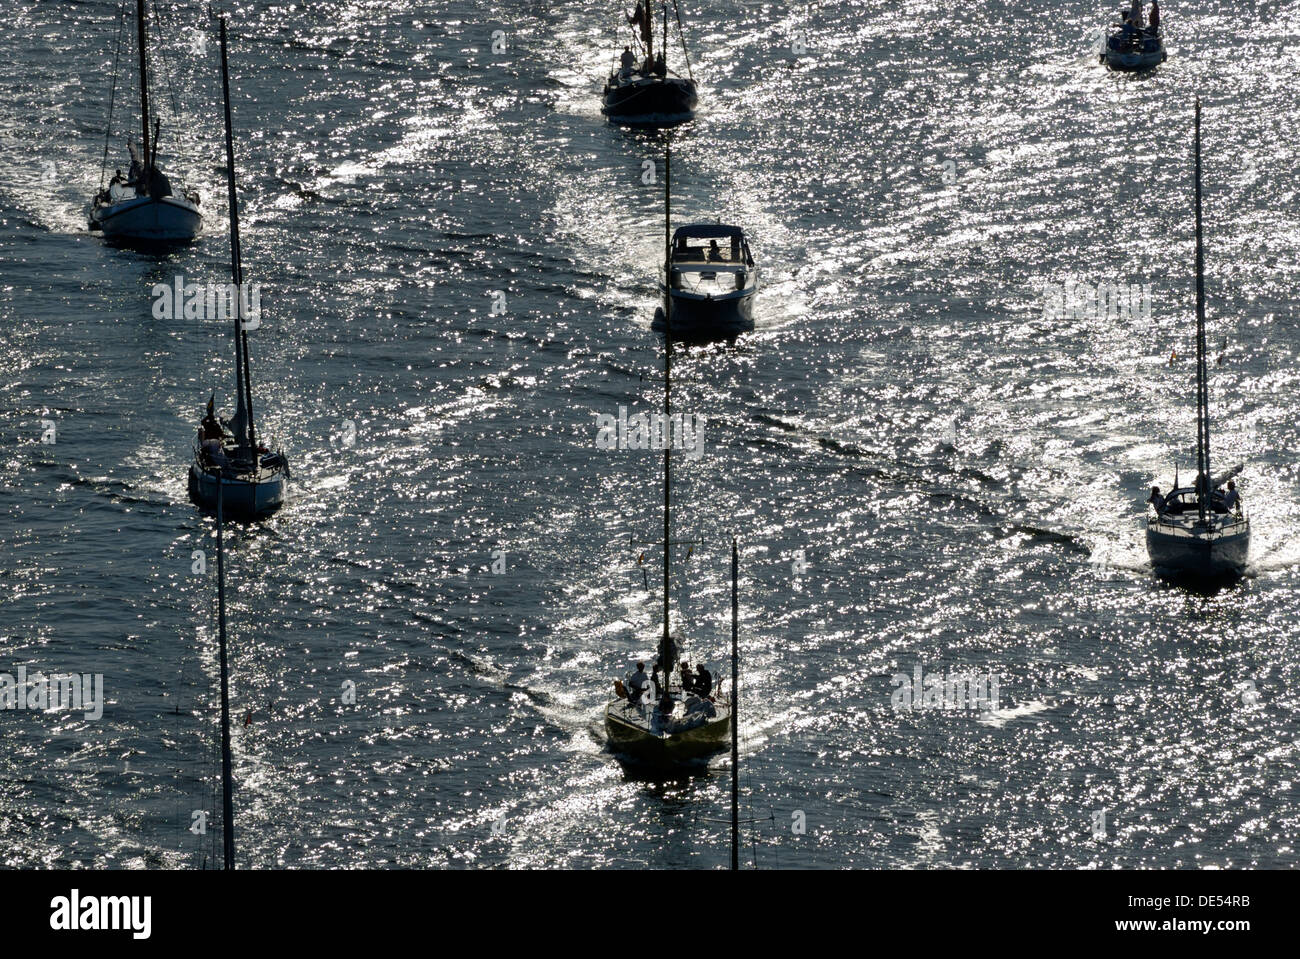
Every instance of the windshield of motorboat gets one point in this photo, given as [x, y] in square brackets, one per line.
[704, 252]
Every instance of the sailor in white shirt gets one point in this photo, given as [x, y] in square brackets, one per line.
[637, 683]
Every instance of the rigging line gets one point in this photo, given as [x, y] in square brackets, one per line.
[162, 53]
[682, 37]
[112, 95]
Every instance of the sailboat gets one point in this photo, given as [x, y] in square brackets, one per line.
[142, 207]
[662, 724]
[229, 463]
[649, 94]
[1199, 530]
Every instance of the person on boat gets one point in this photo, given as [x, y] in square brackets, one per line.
[214, 454]
[627, 61]
[715, 253]
[661, 65]
[209, 428]
[637, 684]
[135, 173]
[703, 682]
[1135, 14]
[1156, 500]
[688, 677]
[1232, 499]
[1154, 20]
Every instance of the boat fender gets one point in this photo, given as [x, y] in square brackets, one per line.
[660, 319]
[740, 279]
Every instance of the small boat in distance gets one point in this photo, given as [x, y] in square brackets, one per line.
[141, 207]
[1200, 530]
[645, 92]
[1135, 47]
[229, 465]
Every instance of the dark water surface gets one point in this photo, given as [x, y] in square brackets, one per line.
[963, 471]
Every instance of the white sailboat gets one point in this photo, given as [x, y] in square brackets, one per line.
[142, 207]
[1198, 530]
[229, 463]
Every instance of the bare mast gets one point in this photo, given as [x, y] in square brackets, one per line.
[243, 381]
[665, 644]
[1203, 492]
[143, 44]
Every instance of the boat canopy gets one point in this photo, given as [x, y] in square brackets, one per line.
[707, 231]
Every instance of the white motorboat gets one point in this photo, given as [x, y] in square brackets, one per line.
[711, 282]
[708, 280]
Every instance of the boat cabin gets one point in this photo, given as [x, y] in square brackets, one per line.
[1183, 500]
[712, 260]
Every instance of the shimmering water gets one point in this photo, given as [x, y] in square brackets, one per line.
[962, 470]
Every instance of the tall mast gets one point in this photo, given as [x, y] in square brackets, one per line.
[243, 381]
[648, 30]
[735, 707]
[143, 44]
[665, 644]
[1202, 387]
[227, 779]
[664, 52]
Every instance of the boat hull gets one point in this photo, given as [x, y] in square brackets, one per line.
[649, 101]
[241, 499]
[701, 317]
[1217, 554]
[1131, 59]
[630, 736]
[168, 219]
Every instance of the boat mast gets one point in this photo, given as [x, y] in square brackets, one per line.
[735, 708]
[243, 382]
[144, 81]
[227, 779]
[665, 644]
[1202, 388]
[664, 52]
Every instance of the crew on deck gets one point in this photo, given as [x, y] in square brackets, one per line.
[1156, 500]
[1232, 499]
[703, 682]
[637, 683]
[210, 428]
[628, 61]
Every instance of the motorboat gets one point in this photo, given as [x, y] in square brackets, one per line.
[710, 282]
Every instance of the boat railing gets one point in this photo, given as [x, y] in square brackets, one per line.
[1219, 523]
